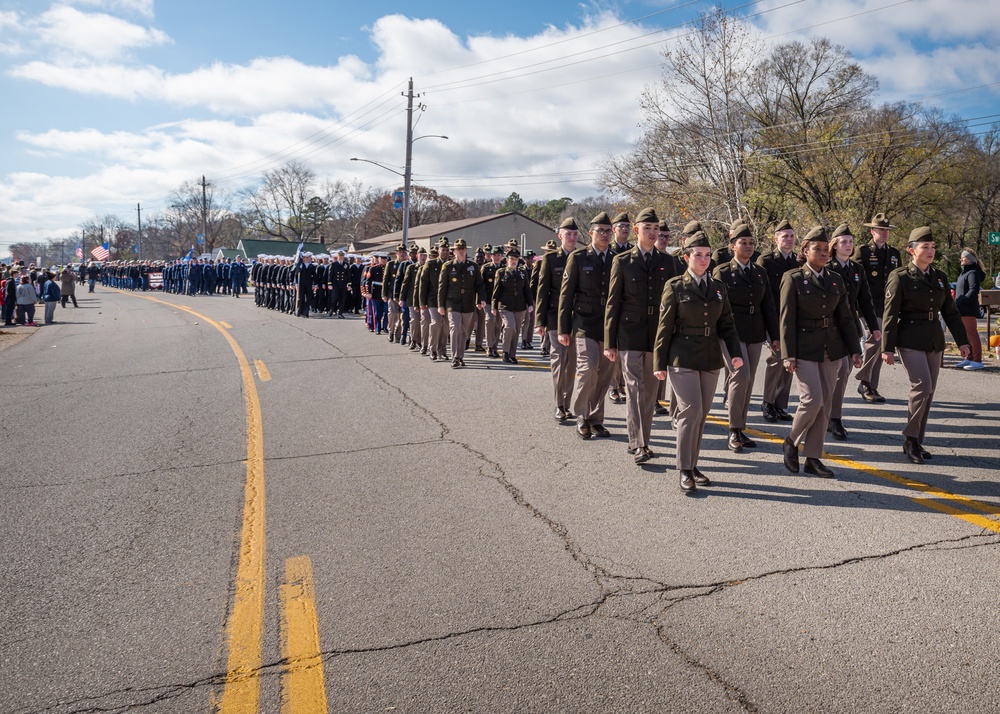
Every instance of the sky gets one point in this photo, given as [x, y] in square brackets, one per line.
[114, 103]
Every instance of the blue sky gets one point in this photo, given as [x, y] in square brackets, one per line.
[110, 102]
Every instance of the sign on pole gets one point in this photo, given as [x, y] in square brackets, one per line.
[995, 238]
[201, 238]
[397, 199]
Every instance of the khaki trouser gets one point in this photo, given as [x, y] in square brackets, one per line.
[459, 326]
[439, 335]
[922, 369]
[494, 328]
[513, 322]
[871, 366]
[640, 391]
[739, 383]
[395, 324]
[694, 391]
[479, 320]
[777, 380]
[816, 381]
[593, 375]
[528, 331]
[837, 410]
[415, 320]
[563, 361]
[426, 319]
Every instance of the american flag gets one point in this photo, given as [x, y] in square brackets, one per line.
[79, 252]
[101, 252]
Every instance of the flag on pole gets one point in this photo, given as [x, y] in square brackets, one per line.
[79, 252]
[189, 257]
[298, 256]
[101, 252]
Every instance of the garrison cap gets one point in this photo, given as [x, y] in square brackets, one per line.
[693, 227]
[842, 230]
[621, 218]
[460, 243]
[879, 221]
[697, 240]
[739, 229]
[601, 219]
[921, 235]
[569, 225]
[647, 215]
[816, 233]
[783, 225]
[664, 226]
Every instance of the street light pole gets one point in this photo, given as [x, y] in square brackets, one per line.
[409, 165]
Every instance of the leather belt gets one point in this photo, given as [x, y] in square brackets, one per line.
[814, 324]
[694, 331]
[928, 316]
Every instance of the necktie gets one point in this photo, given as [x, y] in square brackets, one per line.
[649, 258]
[601, 257]
[747, 271]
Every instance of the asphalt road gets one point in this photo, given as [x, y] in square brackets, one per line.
[394, 535]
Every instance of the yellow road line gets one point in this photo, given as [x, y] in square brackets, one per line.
[972, 518]
[262, 372]
[226, 325]
[303, 689]
[245, 627]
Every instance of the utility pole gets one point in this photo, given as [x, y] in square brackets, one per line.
[138, 218]
[204, 212]
[409, 159]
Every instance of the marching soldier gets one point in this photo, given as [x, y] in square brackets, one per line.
[621, 226]
[630, 323]
[429, 289]
[528, 331]
[756, 317]
[583, 298]
[777, 380]
[511, 301]
[338, 283]
[817, 331]
[917, 297]
[550, 277]
[550, 247]
[491, 317]
[305, 279]
[460, 293]
[408, 295]
[878, 259]
[395, 326]
[695, 319]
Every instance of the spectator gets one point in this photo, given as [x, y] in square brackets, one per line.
[50, 296]
[67, 278]
[26, 299]
[10, 297]
[967, 301]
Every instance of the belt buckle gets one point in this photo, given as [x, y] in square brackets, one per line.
[826, 322]
[649, 310]
[708, 332]
[930, 316]
[751, 309]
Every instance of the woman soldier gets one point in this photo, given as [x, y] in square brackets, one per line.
[511, 299]
[859, 297]
[694, 315]
[915, 296]
[817, 331]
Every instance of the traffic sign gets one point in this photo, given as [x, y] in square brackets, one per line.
[995, 238]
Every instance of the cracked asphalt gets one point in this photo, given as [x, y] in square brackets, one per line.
[469, 553]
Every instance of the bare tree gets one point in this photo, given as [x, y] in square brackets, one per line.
[278, 203]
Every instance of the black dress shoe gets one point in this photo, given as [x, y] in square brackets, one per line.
[700, 478]
[687, 482]
[748, 443]
[791, 454]
[783, 415]
[600, 431]
[642, 455]
[817, 468]
[836, 428]
[878, 397]
[462, 362]
[912, 450]
[924, 452]
[506, 357]
[583, 429]
[660, 410]
[613, 394]
[735, 444]
[869, 394]
[513, 359]
[559, 414]
[770, 415]
[456, 363]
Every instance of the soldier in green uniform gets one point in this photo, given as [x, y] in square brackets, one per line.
[460, 293]
[582, 300]
[389, 296]
[492, 318]
[630, 323]
[550, 277]
[695, 318]
[756, 320]
[427, 297]
[550, 247]
[621, 226]
[511, 300]
[817, 330]
[408, 297]
[877, 259]
[777, 380]
[917, 296]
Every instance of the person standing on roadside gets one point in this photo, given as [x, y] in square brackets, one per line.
[26, 299]
[967, 300]
[67, 280]
[50, 296]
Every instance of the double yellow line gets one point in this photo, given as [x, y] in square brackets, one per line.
[303, 687]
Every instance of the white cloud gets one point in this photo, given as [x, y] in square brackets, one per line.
[72, 35]
[138, 7]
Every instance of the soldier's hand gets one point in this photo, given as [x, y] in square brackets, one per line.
[662, 375]
[776, 347]
[564, 340]
[877, 335]
[540, 330]
[966, 351]
[789, 365]
[857, 361]
[737, 362]
[889, 358]
[611, 353]
[482, 306]
[442, 311]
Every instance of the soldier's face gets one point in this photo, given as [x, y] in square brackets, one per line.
[845, 246]
[568, 238]
[647, 234]
[421, 258]
[881, 235]
[743, 249]
[662, 240]
[699, 259]
[460, 254]
[621, 232]
[923, 253]
[601, 237]
[512, 261]
[496, 258]
[785, 241]
[817, 254]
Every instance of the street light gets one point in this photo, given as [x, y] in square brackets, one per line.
[406, 175]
